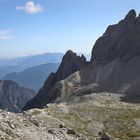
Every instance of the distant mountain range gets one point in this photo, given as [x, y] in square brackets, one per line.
[22, 63]
[13, 97]
[32, 60]
[34, 77]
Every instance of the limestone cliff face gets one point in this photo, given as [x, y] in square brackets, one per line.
[13, 97]
[70, 64]
[121, 40]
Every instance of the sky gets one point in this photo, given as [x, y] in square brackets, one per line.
[39, 26]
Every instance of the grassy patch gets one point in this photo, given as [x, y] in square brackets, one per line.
[133, 134]
[35, 112]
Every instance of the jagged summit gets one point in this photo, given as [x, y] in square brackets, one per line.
[71, 63]
[131, 16]
[119, 41]
[70, 52]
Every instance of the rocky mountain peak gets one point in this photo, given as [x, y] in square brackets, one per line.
[119, 41]
[69, 53]
[73, 56]
[131, 15]
[71, 63]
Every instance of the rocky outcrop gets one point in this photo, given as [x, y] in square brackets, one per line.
[70, 64]
[13, 97]
[48, 93]
[119, 41]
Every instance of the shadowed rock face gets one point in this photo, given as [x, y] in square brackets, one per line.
[114, 66]
[13, 97]
[70, 64]
[119, 41]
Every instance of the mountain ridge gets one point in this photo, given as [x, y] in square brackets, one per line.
[70, 64]
[13, 97]
[33, 77]
[125, 33]
[28, 62]
[115, 57]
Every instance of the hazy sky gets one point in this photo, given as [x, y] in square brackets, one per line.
[39, 26]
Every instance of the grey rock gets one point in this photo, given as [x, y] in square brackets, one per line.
[70, 64]
[119, 41]
[114, 67]
[103, 136]
[71, 131]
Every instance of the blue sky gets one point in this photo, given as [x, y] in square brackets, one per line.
[39, 26]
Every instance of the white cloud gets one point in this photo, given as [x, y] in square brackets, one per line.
[5, 35]
[30, 8]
